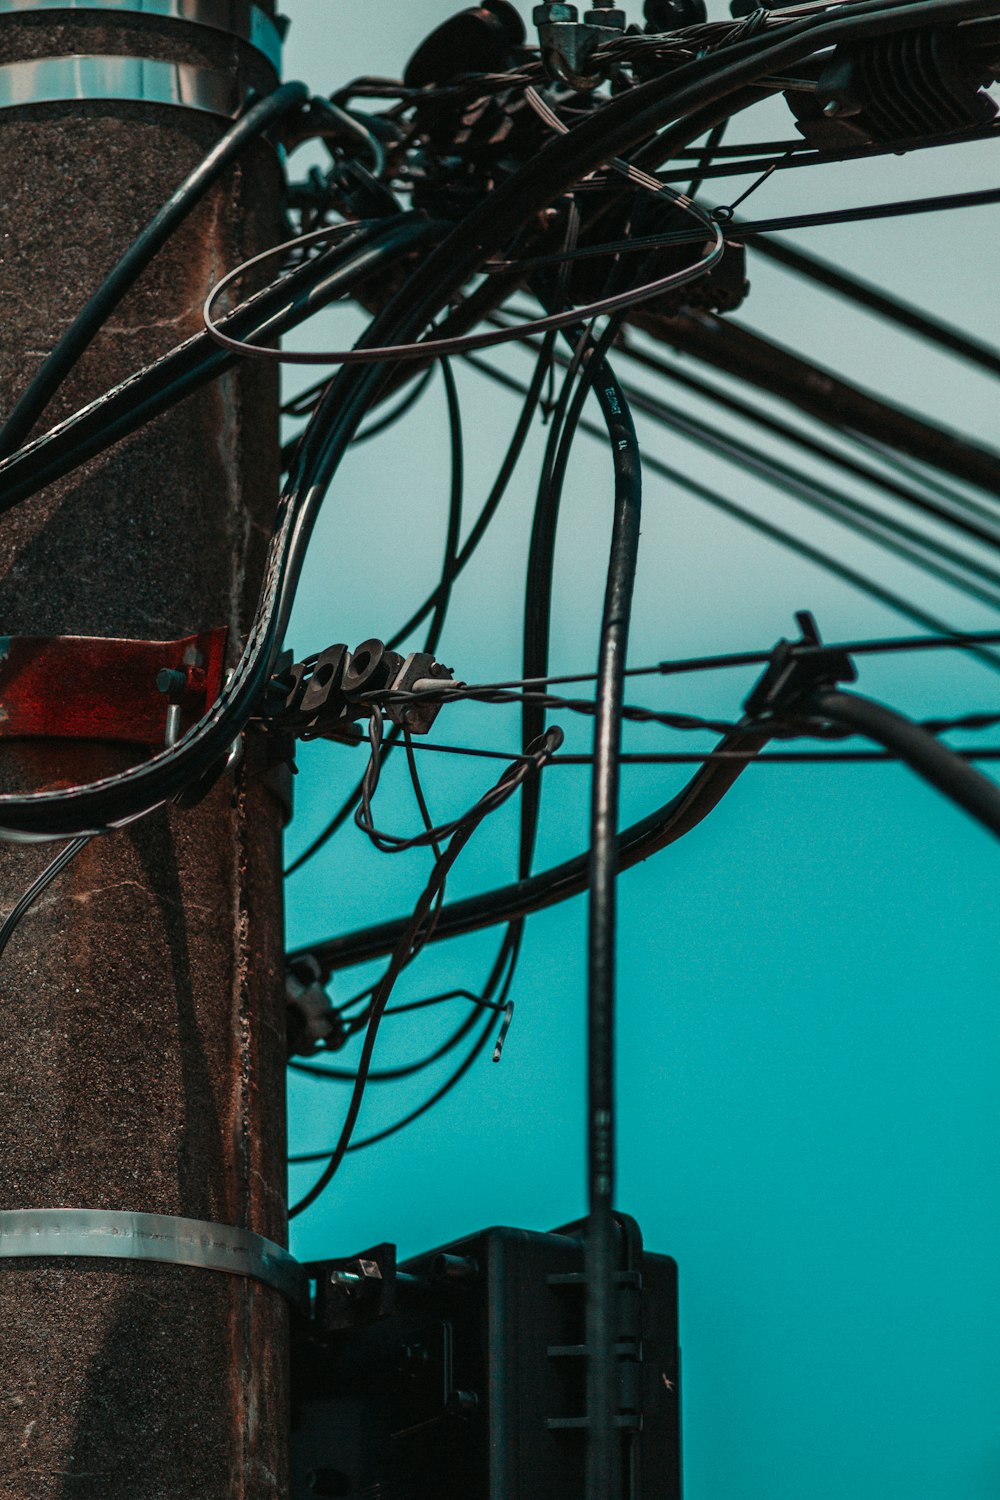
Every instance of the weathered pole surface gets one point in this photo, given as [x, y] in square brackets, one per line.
[141, 1020]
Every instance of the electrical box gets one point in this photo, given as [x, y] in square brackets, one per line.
[461, 1374]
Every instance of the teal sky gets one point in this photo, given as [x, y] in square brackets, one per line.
[809, 1035]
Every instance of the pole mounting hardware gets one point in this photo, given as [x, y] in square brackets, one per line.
[104, 1234]
[239, 18]
[97, 688]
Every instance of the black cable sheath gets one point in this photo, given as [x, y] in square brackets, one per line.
[891, 533]
[615, 128]
[401, 954]
[604, 1460]
[540, 570]
[948, 514]
[938, 765]
[126, 272]
[40, 884]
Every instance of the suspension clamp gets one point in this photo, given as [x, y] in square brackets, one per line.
[324, 696]
[795, 672]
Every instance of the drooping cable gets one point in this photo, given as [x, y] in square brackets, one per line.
[532, 395]
[938, 765]
[509, 781]
[116, 799]
[441, 597]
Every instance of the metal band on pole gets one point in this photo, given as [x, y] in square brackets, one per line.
[56, 80]
[237, 18]
[106, 1235]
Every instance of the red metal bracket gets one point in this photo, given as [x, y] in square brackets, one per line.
[94, 688]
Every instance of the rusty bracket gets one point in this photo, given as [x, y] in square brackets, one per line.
[97, 688]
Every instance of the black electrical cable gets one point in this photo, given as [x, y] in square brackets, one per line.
[146, 393]
[955, 340]
[794, 543]
[886, 531]
[532, 395]
[946, 513]
[374, 428]
[708, 153]
[938, 765]
[689, 92]
[698, 796]
[540, 570]
[917, 470]
[871, 646]
[445, 1088]
[433, 348]
[96, 311]
[694, 758]
[603, 1461]
[611, 130]
[441, 599]
[735, 230]
[508, 954]
[505, 963]
[388, 843]
[31, 895]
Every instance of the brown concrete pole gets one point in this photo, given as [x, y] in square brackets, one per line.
[141, 1019]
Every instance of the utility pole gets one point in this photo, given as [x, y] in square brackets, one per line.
[142, 1036]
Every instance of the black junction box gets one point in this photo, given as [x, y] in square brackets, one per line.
[461, 1374]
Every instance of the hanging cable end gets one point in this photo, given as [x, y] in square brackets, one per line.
[508, 1016]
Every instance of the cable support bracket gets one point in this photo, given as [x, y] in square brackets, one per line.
[105, 1234]
[98, 688]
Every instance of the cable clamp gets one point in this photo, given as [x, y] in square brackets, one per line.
[102, 1234]
[567, 44]
[242, 19]
[324, 696]
[797, 669]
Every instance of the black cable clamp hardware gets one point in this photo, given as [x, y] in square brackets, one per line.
[796, 671]
[312, 1021]
[324, 696]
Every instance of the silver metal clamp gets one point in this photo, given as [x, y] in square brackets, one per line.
[239, 18]
[103, 1234]
[55, 80]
